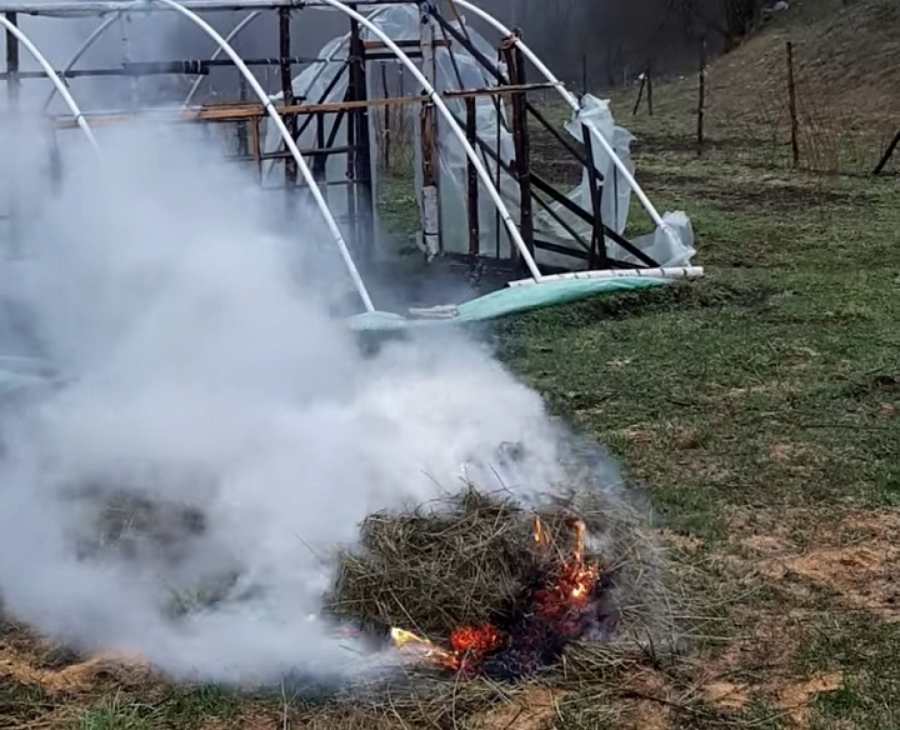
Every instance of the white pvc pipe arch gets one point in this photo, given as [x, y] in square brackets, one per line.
[54, 78]
[288, 140]
[82, 49]
[438, 101]
[222, 46]
[219, 49]
[571, 101]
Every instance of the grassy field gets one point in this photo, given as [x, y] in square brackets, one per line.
[757, 409]
[760, 410]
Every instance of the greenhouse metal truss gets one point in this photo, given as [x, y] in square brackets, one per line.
[324, 140]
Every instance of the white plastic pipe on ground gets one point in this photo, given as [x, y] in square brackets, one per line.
[670, 272]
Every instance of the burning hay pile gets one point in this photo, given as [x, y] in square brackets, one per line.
[480, 585]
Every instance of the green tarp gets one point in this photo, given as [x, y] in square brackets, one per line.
[511, 301]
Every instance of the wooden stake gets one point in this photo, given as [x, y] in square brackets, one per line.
[701, 101]
[887, 155]
[792, 99]
[637, 103]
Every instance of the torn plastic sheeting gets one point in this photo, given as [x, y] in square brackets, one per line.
[673, 245]
[616, 199]
[670, 246]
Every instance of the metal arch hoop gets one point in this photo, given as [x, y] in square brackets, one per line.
[54, 78]
[288, 140]
[82, 49]
[441, 106]
[101, 29]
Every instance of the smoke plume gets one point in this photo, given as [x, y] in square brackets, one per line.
[190, 374]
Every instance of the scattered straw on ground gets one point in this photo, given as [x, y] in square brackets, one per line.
[727, 694]
[81, 678]
[533, 709]
[796, 698]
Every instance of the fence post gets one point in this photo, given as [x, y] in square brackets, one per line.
[584, 75]
[701, 100]
[887, 155]
[640, 96]
[792, 99]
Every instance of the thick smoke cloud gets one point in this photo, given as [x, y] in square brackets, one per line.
[190, 368]
[166, 343]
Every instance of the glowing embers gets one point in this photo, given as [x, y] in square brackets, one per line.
[561, 605]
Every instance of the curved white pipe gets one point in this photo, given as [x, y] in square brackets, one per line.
[572, 102]
[54, 77]
[436, 99]
[76, 57]
[231, 35]
[288, 140]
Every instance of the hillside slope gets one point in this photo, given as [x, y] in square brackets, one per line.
[847, 70]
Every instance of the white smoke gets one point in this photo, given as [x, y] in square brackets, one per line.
[191, 367]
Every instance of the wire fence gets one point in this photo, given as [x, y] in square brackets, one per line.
[786, 110]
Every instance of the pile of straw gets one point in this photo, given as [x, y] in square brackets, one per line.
[465, 560]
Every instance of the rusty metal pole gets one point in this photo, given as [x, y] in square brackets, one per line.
[792, 101]
[431, 227]
[388, 131]
[320, 159]
[361, 153]
[243, 129]
[287, 88]
[474, 227]
[12, 63]
[12, 92]
[597, 254]
[515, 62]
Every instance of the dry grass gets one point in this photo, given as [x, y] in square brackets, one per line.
[468, 558]
[847, 104]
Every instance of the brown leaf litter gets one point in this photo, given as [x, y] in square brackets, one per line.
[858, 561]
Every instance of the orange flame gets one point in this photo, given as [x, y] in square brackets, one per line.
[471, 645]
[480, 640]
[408, 642]
[580, 530]
[540, 534]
